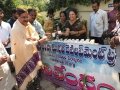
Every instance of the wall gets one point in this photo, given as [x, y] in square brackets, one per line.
[84, 11]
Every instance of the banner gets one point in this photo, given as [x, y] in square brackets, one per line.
[77, 66]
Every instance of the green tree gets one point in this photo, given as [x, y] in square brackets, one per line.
[1, 4]
[38, 4]
[57, 4]
[7, 6]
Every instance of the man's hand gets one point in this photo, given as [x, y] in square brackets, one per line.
[3, 59]
[6, 42]
[43, 39]
[59, 32]
[114, 41]
[1, 78]
[30, 38]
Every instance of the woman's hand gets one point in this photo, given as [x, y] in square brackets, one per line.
[73, 32]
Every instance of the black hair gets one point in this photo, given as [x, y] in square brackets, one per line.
[96, 1]
[50, 11]
[74, 10]
[31, 10]
[116, 1]
[1, 10]
[14, 11]
[63, 13]
[118, 8]
[20, 11]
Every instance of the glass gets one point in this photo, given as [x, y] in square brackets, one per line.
[24, 17]
[33, 15]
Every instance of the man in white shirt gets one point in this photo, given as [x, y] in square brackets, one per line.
[7, 81]
[98, 22]
[5, 30]
[32, 14]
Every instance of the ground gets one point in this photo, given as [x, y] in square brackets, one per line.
[46, 85]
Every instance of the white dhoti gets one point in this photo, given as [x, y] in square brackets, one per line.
[8, 80]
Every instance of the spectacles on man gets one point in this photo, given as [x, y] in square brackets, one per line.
[24, 17]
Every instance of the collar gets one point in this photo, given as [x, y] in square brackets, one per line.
[1, 23]
[117, 23]
[22, 24]
[34, 22]
[98, 12]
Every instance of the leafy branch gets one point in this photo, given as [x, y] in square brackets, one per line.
[57, 4]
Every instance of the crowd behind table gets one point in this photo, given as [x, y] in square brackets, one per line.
[21, 34]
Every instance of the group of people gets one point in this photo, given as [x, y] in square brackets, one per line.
[72, 28]
[21, 34]
[102, 21]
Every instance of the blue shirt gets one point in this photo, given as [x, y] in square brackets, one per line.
[38, 28]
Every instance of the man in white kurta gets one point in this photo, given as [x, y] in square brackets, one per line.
[98, 23]
[7, 80]
[5, 30]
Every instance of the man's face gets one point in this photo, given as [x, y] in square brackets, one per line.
[1, 15]
[115, 5]
[32, 16]
[95, 7]
[118, 16]
[15, 15]
[23, 18]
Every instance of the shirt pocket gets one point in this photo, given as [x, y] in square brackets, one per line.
[99, 20]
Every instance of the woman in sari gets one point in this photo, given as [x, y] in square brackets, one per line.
[61, 31]
[24, 39]
[75, 26]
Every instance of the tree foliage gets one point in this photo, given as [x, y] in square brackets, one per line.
[57, 4]
[38, 4]
[7, 6]
[1, 4]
